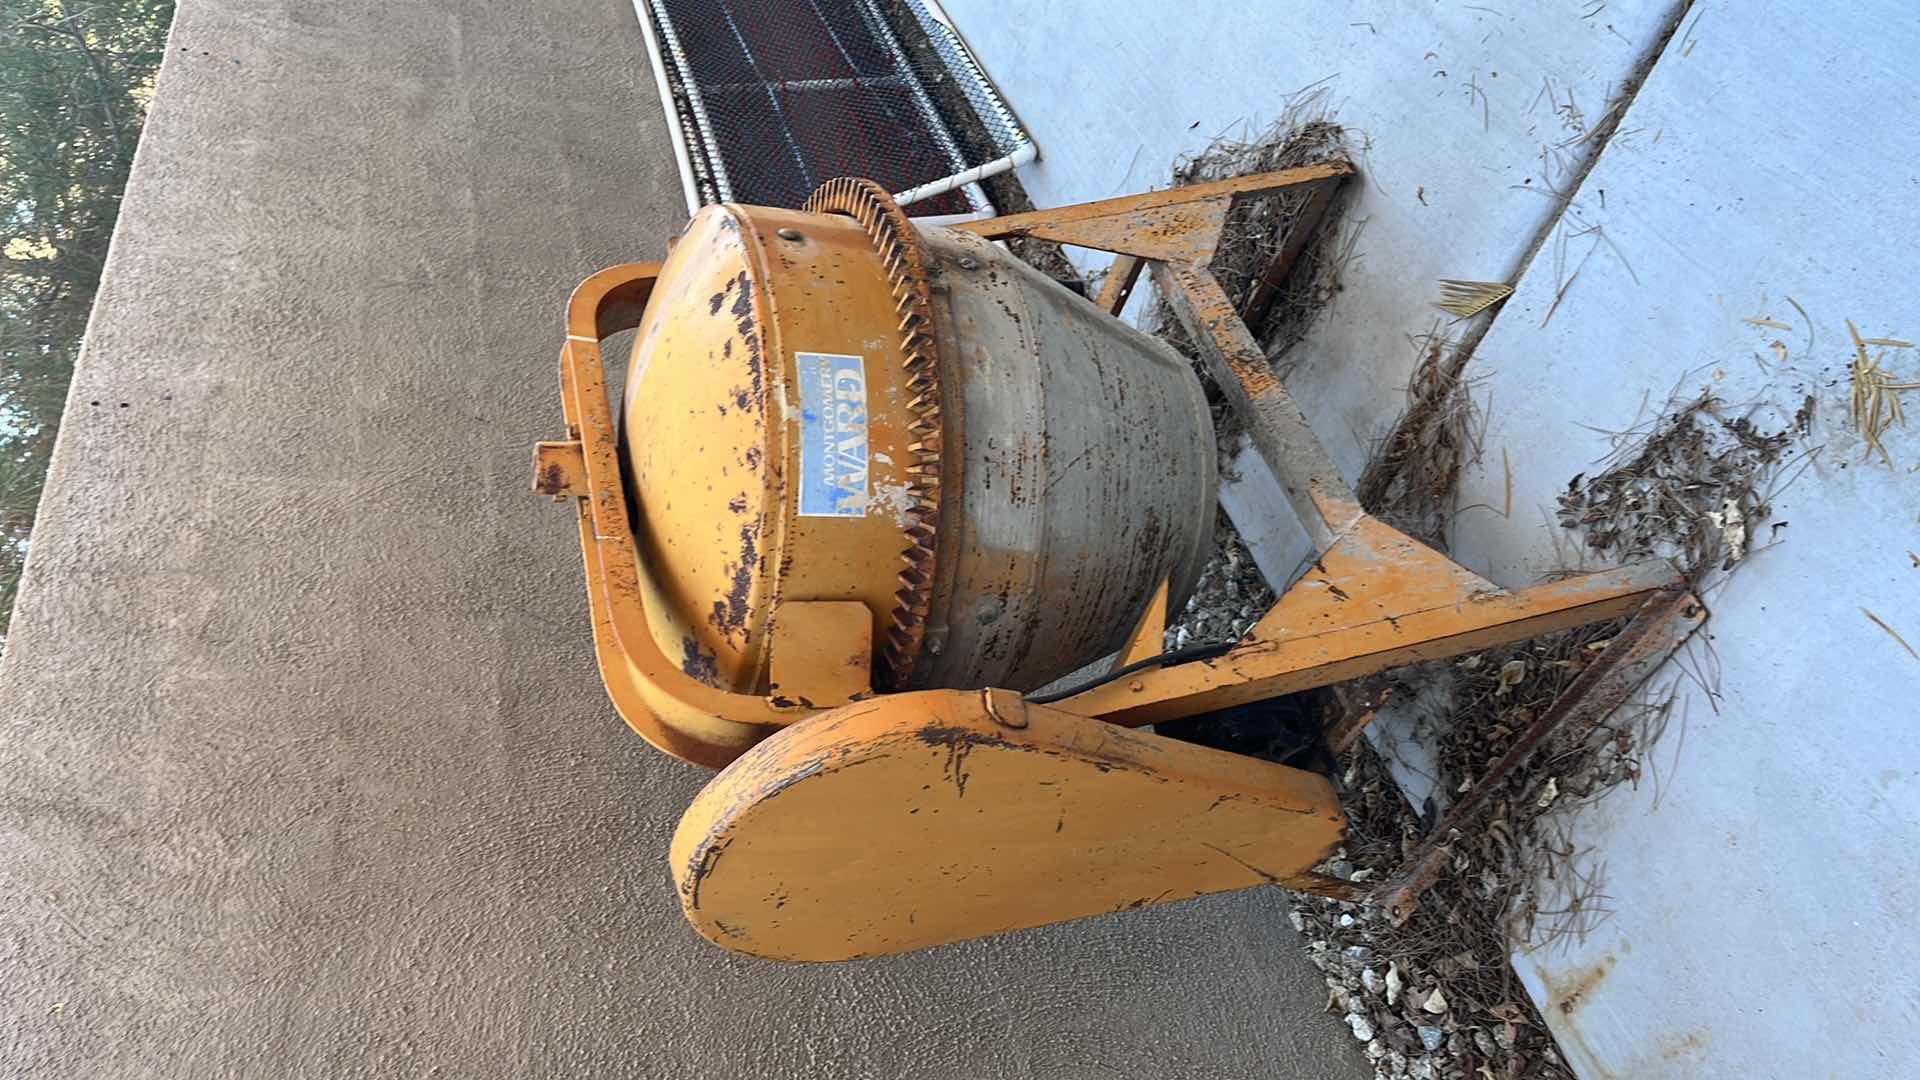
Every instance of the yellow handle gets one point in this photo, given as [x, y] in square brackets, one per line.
[666, 706]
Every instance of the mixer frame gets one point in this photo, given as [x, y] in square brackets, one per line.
[1156, 819]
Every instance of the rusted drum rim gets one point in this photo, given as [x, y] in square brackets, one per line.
[898, 245]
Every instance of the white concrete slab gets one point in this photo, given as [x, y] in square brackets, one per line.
[1764, 900]
[1453, 99]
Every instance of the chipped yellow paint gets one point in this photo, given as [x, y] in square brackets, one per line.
[920, 819]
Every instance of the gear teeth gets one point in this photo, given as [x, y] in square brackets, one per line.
[897, 244]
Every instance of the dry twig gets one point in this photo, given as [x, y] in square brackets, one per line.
[1891, 632]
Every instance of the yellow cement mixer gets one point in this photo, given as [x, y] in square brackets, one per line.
[874, 483]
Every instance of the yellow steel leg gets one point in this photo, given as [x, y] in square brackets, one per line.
[1377, 599]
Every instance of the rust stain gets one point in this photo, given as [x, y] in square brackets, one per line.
[698, 663]
[1569, 992]
[1676, 1047]
[752, 341]
[730, 614]
[742, 304]
[709, 859]
[719, 299]
[742, 311]
[958, 742]
[553, 480]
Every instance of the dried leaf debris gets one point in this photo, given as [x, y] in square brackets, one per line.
[1258, 228]
[1411, 480]
[1517, 879]
[1690, 485]
[1437, 997]
[1694, 483]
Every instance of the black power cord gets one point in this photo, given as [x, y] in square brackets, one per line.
[1177, 656]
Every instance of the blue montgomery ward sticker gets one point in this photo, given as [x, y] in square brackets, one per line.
[833, 435]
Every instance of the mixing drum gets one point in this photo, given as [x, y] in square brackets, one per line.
[835, 404]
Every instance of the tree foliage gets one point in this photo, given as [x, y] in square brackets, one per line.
[75, 79]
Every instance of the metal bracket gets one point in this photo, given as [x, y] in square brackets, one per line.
[1005, 707]
[560, 469]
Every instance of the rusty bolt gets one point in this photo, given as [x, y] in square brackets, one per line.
[788, 234]
[1136, 686]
